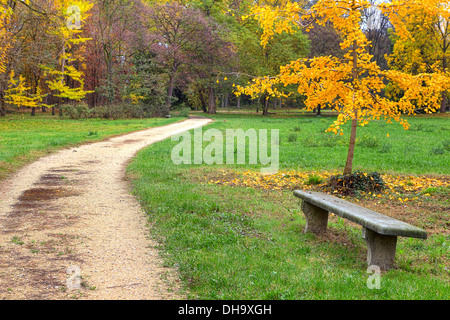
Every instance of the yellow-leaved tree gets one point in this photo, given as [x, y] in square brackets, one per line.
[5, 45]
[353, 86]
[68, 29]
[19, 93]
[422, 37]
[5, 14]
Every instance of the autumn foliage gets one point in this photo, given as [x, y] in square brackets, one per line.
[37, 52]
[353, 85]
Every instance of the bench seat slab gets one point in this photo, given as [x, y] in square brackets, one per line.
[365, 217]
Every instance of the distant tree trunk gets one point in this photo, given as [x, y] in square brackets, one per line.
[63, 64]
[2, 104]
[211, 101]
[44, 108]
[109, 72]
[60, 106]
[239, 102]
[202, 100]
[444, 94]
[33, 109]
[170, 92]
[266, 107]
[443, 102]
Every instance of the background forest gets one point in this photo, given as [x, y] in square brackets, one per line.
[134, 58]
[137, 58]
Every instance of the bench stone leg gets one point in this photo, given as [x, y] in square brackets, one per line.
[316, 218]
[380, 249]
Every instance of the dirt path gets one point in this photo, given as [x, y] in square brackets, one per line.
[71, 229]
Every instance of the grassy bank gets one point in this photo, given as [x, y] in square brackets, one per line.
[24, 138]
[234, 242]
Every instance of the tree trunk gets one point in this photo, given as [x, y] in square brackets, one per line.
[351, 146]
[239, 102]
[44, 108]
[443, 102]
[169, 94]
[266, 107]
[444, 94]
[2, 104]
[63, 66]
[202, 100]
[110, 90]
[211, 101]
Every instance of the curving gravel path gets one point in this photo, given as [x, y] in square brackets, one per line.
[69, 227]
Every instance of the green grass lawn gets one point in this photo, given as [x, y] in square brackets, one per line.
[424, 148]
[248, 243]
[24, 138]
[233, 242]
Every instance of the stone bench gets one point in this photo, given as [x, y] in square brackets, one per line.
[379, 231]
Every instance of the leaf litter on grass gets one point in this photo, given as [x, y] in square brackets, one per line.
[416, 199]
